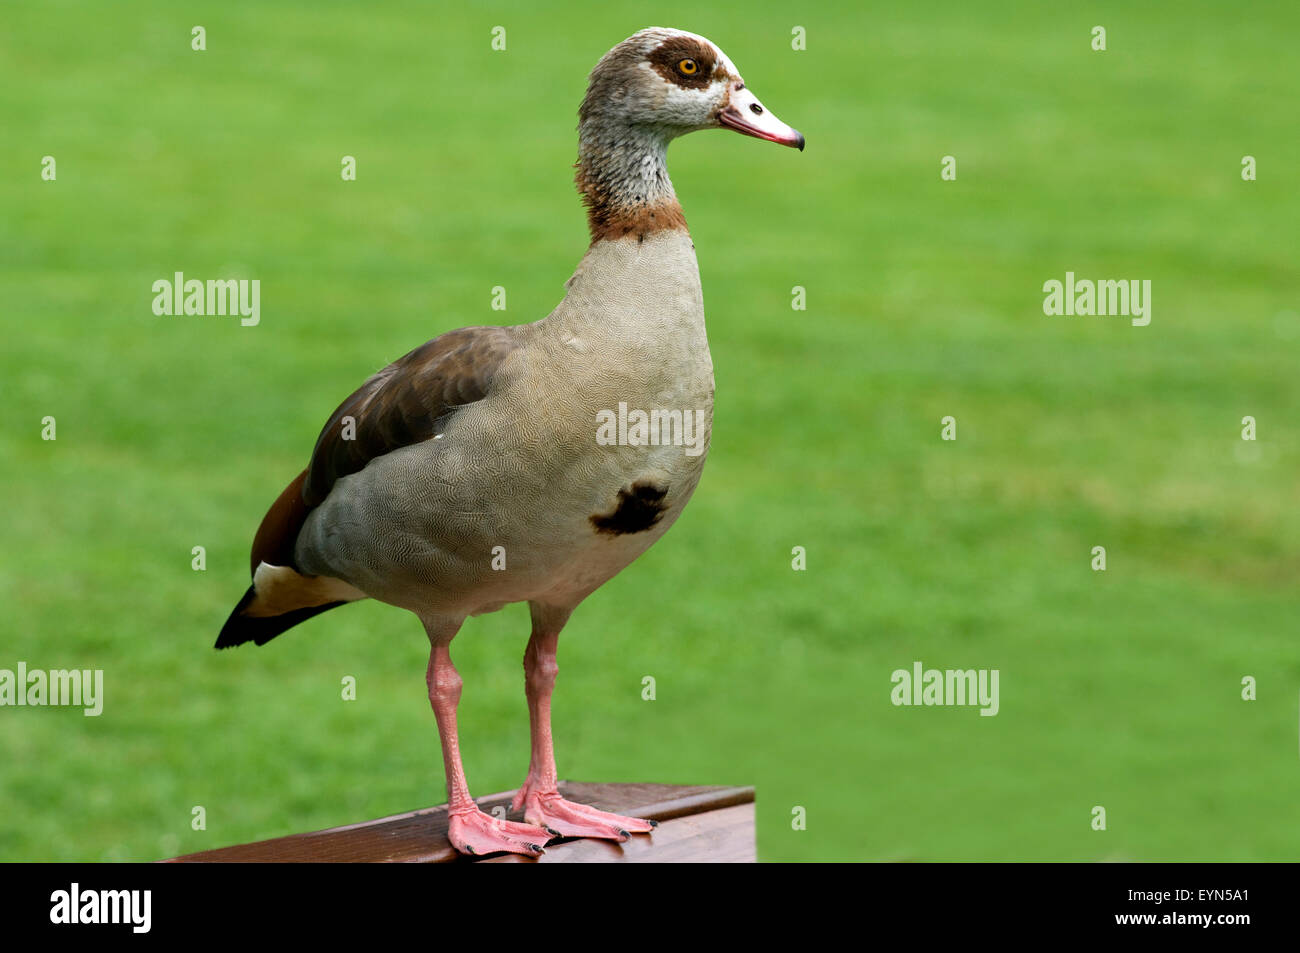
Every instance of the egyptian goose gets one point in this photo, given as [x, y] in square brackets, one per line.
[469, 475]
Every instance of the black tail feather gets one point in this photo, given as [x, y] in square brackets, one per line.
[240, 628]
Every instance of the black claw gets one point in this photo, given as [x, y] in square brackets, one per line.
[470, 850]
[624, 834]
[653, 823]
[536, 849]
[553, 832]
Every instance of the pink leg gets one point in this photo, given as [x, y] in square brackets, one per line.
[540, 796]
[470, 830]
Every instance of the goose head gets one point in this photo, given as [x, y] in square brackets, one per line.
[656, 85]
[664, 83]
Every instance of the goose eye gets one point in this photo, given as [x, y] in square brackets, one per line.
[687, 67]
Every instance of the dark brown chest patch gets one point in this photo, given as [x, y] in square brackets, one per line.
[639, 507]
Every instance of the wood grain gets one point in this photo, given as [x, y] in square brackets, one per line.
[421, 836]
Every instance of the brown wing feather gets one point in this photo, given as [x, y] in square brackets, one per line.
[279, 530]
[407, 402]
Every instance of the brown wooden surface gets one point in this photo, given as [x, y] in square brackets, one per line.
[723, 836]
[421, 836]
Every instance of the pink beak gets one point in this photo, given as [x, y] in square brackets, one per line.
[744, 113]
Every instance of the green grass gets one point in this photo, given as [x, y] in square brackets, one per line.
[1119, 689]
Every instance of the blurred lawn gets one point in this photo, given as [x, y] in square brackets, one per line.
[1118, 689]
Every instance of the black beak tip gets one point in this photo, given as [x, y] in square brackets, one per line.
[799, 145]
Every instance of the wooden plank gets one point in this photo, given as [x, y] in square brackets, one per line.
[421, 836]
[723, 836]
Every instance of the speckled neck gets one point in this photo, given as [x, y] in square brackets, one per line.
[623, 178]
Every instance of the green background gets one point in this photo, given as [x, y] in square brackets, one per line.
[1119, 688]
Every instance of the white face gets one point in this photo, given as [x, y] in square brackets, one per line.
[687, 83]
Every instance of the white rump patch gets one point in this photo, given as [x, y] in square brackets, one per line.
[282, 589]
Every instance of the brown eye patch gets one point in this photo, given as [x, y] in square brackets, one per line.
[684, 61]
